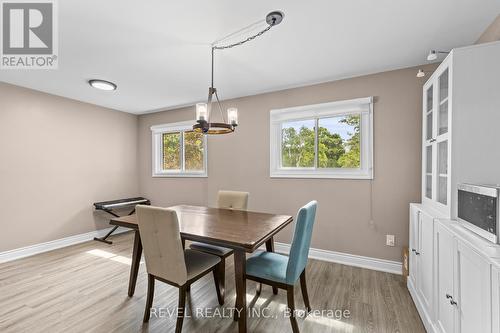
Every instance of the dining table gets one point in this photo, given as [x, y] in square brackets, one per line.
[242, 231]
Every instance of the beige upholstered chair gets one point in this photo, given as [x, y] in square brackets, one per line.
[229, 200]
[166, 260]
[232, 200]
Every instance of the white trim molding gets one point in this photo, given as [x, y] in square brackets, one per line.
[55, 244]
[376, 264]
[173, 127]
[157, 147]
[359, 106]
[324, 255]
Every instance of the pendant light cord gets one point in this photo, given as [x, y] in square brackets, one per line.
[271, 23]
[212, 84]
[228, 46]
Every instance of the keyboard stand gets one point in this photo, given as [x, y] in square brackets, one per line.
[104, 239]
[108, 206]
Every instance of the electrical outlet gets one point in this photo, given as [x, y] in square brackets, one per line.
[389, 240]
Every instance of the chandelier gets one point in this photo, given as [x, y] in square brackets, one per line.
[204, 117]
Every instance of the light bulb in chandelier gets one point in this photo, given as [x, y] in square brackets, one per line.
[201, 112]
[232, 116]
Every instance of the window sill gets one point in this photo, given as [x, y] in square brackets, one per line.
[179, 175]
[318, 175]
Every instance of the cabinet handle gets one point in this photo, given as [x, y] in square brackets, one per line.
[452, 301]
[417, 253]
[413, 250]
[432, 140]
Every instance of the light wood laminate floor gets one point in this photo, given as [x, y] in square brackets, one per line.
[83, 288]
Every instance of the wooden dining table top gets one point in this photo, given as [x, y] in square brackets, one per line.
[237, 229]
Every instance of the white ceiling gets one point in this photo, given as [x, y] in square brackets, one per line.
[158, 53]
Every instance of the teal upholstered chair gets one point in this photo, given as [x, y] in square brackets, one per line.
[283, 272]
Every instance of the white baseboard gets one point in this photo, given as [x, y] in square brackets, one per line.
[324, 255]
[55, 244]
[347, 259]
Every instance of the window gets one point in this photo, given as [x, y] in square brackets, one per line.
[331, 140]
[178, 151]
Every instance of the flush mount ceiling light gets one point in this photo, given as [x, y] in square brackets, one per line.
[204, 117]
[102, 85]
[433, 54]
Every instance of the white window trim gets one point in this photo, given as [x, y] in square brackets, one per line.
[157, 132]
[363, 106]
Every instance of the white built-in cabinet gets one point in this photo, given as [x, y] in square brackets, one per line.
[445, 256]
[437, 139]
[414, 245]
[464, 302]
[454, 278]
[472, 297]
[425, 260]
[421, 258]
[495, 297]
[459, 125]
[454, 275]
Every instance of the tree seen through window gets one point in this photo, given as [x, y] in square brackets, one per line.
[338, 143]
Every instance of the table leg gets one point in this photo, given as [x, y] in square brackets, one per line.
[241, 290]
[270, 248]
[136, 261]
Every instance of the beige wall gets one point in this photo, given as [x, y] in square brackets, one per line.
[57, 157]
[240, 161]
[492, 33]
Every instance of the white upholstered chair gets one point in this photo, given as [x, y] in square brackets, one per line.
[229, 200]
[167, 261]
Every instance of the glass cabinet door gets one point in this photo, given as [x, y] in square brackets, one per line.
[436, 122]
[443, 103]
[428, 171]
[442, 186]
[429, 135]
[430, 114]
[442, 138]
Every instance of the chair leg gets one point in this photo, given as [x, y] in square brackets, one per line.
[291, 307]
[259, 289]
[217, 278]
[270, 248]
[149, 299]
[181, 308]
[222, 277]
[303, 287]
